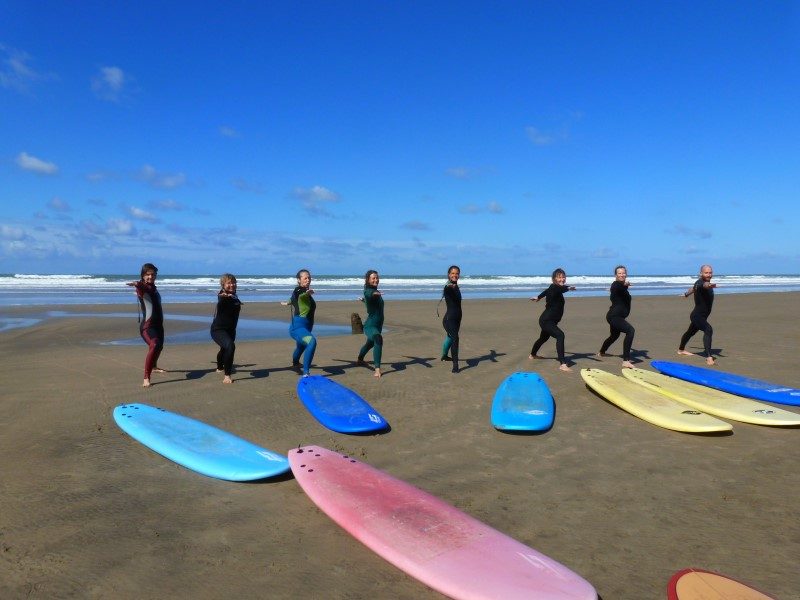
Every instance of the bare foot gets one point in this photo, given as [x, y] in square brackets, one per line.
[159, 370]
[220, 370]
[534, 356]
[602, 354]
[227, 379]
[377, 372]
[710, 361]
[146, 383]
[626, 364]
[565, 368]
[684, 353]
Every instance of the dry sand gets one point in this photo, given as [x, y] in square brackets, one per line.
[87, 512]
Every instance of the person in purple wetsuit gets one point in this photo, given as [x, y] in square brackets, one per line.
[151, 319]
[552, 314]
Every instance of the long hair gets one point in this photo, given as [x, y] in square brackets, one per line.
[366, 276]
[148, 267]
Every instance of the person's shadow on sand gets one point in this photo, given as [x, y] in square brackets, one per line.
[475, 361]
[412, 360]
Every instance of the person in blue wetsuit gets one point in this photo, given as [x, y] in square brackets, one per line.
[151, 319]
[617, 313]
[303, 308]
[552, 314]
[373, 326]
[223, 327]
[703, 291]
[452, 316]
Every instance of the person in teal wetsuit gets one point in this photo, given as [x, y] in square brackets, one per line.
[303, 308]
[373, 326]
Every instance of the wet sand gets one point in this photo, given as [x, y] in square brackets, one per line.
[87, 512]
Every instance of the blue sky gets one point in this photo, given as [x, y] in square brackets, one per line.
[508, 137]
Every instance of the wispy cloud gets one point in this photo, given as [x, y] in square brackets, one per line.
[492, 207]
[538, 137]
[416, 226]
[10, 233]
[228, 132]
[248, 186]
[690, 232]
[36, 165]
[167, 204]
[141, 214]
[16, 72]
[111, 84]
[461, 172]
[59, 205]
[315, 198]
[156, 179]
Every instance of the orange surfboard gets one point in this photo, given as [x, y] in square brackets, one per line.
[699, 584]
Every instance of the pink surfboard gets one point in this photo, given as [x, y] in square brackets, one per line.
[427, 538]
[699, 584]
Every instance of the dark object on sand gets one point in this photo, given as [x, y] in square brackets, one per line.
[356, 324]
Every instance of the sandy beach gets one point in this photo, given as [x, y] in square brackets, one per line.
[87, 512]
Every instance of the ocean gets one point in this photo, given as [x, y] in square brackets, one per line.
[39, 290]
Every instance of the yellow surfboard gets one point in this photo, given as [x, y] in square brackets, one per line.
[714, 402]
[651, 406]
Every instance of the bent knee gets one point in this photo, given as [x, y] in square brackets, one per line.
[308, 339]
[378, 339]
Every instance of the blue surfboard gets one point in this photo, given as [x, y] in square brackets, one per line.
[197, 446]
[337, 407]
[730, 382]
[523, 402]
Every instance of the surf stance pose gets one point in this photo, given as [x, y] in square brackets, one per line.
[703, 291]
[223, 327]
[617, 313]
[151, 319]
[550, 317]
[452, 316]
[373, 326]
[303, 308]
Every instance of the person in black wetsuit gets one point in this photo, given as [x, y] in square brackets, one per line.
[223, 327]
[617, 313]
[151, 320]
[553, 311]
[703, 291]
[452, 316]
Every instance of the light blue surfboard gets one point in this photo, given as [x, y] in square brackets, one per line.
[523, 402]
[337, 407]
[198, 446]
[731, 383]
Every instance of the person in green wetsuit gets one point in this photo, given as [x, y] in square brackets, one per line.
[452, 317]
[374, 323]
[303, 308]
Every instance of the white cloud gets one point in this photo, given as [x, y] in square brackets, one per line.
[168, 181]
[685, 231]
[537, 137]
[120, 227]
[228, 132]
[495, 208]
[314, 199]
[16, 73]
[110, 83]
[416, 226]
[37, 165]
[59, 205]
[10, 233]
[167, 204]
[142, 215]
[459, 172]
